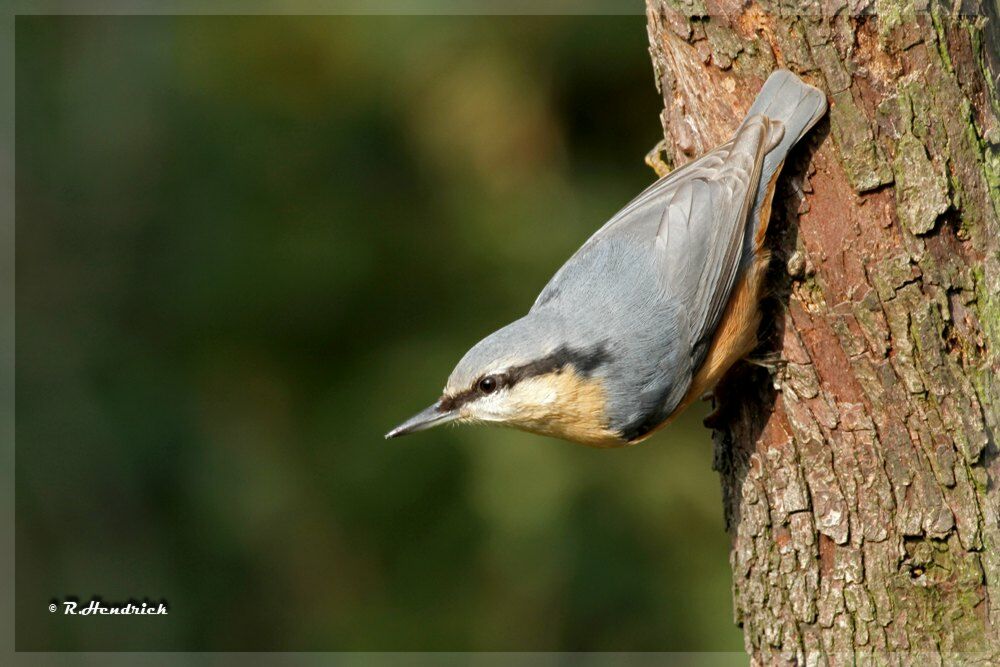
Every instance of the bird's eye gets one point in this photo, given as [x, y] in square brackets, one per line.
[488, 384]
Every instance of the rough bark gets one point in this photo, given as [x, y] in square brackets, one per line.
[860, 475]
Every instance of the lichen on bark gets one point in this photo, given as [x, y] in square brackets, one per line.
[861, 495]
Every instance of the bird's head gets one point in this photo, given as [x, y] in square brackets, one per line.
[527, 376]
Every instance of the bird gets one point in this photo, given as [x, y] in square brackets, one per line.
[653, 309]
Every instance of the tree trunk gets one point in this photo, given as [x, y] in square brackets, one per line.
[860, 474]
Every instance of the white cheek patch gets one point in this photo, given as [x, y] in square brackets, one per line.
[495, 407]
[518, 401]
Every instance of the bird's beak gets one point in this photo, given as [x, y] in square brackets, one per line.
[424, 419]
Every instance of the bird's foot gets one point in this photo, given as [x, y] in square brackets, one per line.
[655, 159]
[773, 363]
[714, 419]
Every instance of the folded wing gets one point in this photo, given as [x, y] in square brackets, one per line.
[694, 221]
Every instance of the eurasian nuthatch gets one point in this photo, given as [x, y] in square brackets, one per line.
[653, 309]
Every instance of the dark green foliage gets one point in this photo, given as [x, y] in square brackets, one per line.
[248, 246]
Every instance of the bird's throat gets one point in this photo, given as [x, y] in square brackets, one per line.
[565, 405]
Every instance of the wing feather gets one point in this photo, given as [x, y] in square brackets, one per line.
[695, 219]
[712, 205]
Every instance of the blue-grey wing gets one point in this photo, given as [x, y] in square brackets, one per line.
[692, 223]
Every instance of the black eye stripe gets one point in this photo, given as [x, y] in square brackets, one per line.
[583, 361]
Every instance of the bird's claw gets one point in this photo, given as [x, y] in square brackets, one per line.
[775, 366]
[655, 159]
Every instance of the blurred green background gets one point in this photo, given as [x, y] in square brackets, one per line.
[246, 247]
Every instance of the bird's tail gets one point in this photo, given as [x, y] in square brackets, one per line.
[796, 106]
